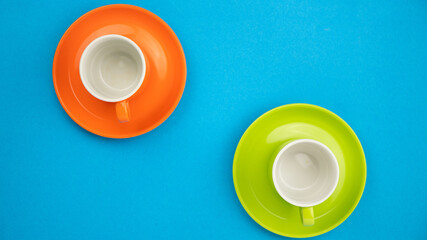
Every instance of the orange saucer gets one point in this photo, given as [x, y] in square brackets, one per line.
[164, 80]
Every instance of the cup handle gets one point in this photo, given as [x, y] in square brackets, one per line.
[122, 111]
[307, 216]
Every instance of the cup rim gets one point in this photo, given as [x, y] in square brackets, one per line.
[140, 81]
[276, 160]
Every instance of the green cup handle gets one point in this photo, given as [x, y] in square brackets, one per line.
[307, 216]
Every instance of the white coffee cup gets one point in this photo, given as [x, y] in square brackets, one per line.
[112, 68]
[305, 174]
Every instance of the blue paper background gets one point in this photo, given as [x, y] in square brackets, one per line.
[364, 60]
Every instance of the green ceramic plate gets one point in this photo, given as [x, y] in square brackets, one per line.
[254, 159]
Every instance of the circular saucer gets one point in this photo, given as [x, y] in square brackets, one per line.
[164, 81]
[255, 154]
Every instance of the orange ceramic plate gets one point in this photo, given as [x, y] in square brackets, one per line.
[164, 80]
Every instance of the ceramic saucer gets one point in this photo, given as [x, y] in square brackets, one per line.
[254, 157]
[165, 74]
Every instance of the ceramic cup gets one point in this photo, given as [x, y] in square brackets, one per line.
[305, 174]
[112, 68]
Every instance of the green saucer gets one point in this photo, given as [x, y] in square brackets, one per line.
[254, 159]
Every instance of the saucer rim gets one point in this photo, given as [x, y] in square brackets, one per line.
[135, 133]
[247, 208]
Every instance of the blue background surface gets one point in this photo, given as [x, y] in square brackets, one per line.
[364, 60]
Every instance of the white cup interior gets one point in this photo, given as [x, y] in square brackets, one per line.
[112, 68]
[305, 173]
